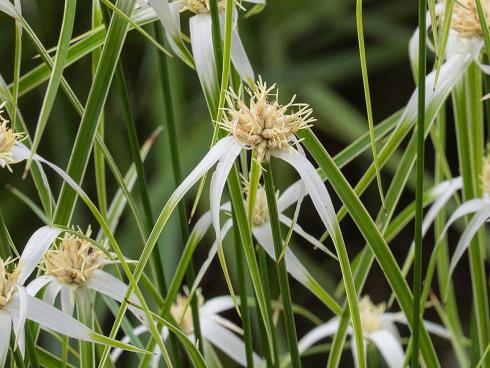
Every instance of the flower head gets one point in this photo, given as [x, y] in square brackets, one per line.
[465, 20]
[74, 260]
[7, 141]
[182, 312]
[8, 281]
[370, 314]
[264, 124]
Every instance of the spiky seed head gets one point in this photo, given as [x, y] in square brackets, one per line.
[465, 20]
[261, 210]
[263, 124]
[8, 281]
[73, 260]
[181, 310]
[7, 141]
[370, 314]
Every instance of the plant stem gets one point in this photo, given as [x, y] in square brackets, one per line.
[282, 273]
[270, 351]
[419, 207]
[86, 316]
[172, 140]
[242, 289]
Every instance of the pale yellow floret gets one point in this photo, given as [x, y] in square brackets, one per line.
[74, 260]
[260, 210]
[182, 313]
[8, 282]
[465, 20]
[204, 7]
[7, 141]
[263, 124]
[485, 176]
[370, 314]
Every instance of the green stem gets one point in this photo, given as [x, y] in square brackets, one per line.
[242, 289]
[282, 273]
[86, 316]
[270, 351]
[100, 179]
[419, 207]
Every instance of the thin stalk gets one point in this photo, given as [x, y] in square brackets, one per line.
[17, 66]
[100, 179]
[271, 351]
[282, 273]
[367, 96]
[17, 360]
[419, 192]
[242, 289]
[86, 316]
[173, 142]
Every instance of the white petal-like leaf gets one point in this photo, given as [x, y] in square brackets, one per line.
[5, 327]
[217, 305]
[475, 224]
[317, 334]
[217, 185]
[203, 51]
[389, 347]
[67, 297]
[52, 291]
[34, 250]
[226, 341]
[311, 239]
[38, 283]
[107, 284]
[467, 208]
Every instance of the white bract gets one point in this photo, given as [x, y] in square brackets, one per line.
[17, 305]
[200, 25]
[72, 268]
[378, 328]
[215, 329]
[479, 208]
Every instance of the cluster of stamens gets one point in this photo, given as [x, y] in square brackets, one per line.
[7, 141]
[465, 20]
[8, 281]
[182, 313]
[73, 261]
[370, 314]
[264, 124]
[485, 177]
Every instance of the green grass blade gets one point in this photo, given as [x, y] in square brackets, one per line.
[419, 215]
[367, 95]
[372, 235]
[90, 119]
[282, 273]
[54, 81]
